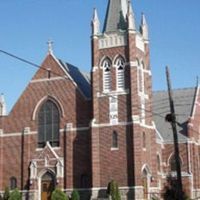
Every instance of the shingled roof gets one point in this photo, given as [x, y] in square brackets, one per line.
[183, 101]
[116, 16]
[81, 79]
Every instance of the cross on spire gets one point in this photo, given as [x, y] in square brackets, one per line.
[50, 46]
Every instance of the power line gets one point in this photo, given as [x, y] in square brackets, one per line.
[29, 63]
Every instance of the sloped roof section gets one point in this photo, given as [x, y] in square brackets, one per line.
[81, 79]
[116, 16]
[183, 103]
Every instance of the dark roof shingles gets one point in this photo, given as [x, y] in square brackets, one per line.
[183, 103]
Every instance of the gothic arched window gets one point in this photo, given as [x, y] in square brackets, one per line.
[114, 139]
[48, 124]
[106, 75]
[13, 183]
[120, 73]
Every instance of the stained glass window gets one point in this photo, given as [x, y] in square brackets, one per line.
[48, 124]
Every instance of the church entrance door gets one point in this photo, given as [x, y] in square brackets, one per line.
[47, 186]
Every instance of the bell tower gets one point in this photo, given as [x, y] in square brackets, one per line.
[123, 134]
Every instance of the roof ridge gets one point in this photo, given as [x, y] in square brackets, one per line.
[175, 89]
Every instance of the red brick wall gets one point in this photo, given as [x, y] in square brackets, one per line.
[75, 110]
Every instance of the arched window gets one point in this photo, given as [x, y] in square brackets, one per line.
[120, 73]
[13, 183]
[106, 75]
[48, 124]
[172, 163]
[114, 139]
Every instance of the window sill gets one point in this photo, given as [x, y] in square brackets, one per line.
[54, 148]
[113, 92]
[114, 148]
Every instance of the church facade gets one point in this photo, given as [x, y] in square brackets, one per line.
[75, 130]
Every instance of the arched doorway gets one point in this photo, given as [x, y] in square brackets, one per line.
[47, 185]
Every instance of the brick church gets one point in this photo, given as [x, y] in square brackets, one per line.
[71, 130]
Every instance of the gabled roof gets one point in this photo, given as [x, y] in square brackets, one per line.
[81, 79]
[183, 103]
[116, 16]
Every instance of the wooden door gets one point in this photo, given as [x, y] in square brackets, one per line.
[47, 189]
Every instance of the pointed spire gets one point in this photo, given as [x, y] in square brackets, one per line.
[116, 16]
[130, 17]
[144, 28]
[50, 46]
[95, 23]
[2, 105]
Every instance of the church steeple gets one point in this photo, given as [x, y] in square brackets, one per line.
[116, 16]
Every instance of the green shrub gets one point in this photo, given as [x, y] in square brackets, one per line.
[170, 191]
[75, 195]
[58, 195]
[6, 194]
[15, 195]
[113, 190]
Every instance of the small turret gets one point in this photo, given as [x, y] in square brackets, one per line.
[130, 17]
[144, 28]
[2, 105]
[95, 23]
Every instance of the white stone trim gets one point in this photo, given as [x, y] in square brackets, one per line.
[136, 119]
[195, 102]
[112, 40]
[114, 148]
[133, 64]
[54, 99]
[48, 79]
[114, 92]
[2, 134]
[139, 42]
[147, 72]
[94, 68]
[147, 126]
[17, 134]
[108, 124]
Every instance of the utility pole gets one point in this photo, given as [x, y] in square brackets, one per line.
[172, 119]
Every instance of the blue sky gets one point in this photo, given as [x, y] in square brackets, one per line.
[26, 26]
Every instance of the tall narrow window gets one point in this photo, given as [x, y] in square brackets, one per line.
[48, 124]
[13, 183]
[158, 163]
[143, 140]
[120, 73]
[114, 140]
[141, 77]
[106, 75]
